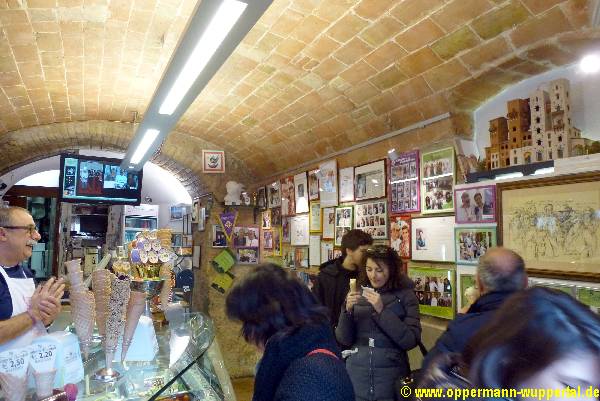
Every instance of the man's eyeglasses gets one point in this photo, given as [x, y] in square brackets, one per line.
[32, 228]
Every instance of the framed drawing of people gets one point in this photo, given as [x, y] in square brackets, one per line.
[437, 181]
[369, 181]
[404, 188]
[475, 204]
[299, 230]
[328, 185]
[554, 224]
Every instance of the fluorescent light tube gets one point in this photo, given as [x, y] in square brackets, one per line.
[225, 18]
[147, 141]
[508, 175]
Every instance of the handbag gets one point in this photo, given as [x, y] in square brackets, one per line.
[410, 380]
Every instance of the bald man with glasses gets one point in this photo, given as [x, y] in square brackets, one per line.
[24, 309]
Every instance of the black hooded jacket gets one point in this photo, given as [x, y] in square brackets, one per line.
[332, 286]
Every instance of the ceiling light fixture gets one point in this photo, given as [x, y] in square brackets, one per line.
[225, 18]
[142, 149]
[590, 64]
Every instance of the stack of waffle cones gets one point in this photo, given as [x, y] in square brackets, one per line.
[115, 322]
[83, 311]
[75, 274]
[14, 387]
[101, 282]
[164, 235]
[44, 383]
[135, 308]
[166, 271]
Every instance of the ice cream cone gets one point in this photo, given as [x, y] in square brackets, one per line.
[84, 316]
[135, 308]
[44, 383]
[14, 387]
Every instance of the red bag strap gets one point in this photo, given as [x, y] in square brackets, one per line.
[322, 351]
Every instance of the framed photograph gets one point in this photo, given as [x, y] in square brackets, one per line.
[276, 230]
[326, 251]
[466, 287]
[370, 181]
[313, 185]
[328, 183]
[301, 257]
[285, 230]
[267, 239]
[372, 218]
[276, 216]
[315, 217]
[475, 204]
[299, 230]
[437, 181]
[473, 242]
[343, 223]
[328, 219]
[213, 161]
[219, 240]
[433, 239]
[177, 239]
[261, 198]
[195, 210]
[245, 237]
[568, 287]
[266, 219]
[400, 235]
[404, 192]
[553, 224]
[176, 213]
[247, 256]
[435, 290]
[274, 194]
[314, 250]
[301, 193]
[288, 204]
[347, 184]
[590, 296]
[201, 219]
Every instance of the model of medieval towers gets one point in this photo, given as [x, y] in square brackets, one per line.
[535, 130]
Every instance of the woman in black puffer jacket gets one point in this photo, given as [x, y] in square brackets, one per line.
[382, 324]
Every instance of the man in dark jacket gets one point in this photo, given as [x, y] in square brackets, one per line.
[500, 273]
[333, 281]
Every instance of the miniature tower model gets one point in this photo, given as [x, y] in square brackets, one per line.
[519, 136]
[496, 154]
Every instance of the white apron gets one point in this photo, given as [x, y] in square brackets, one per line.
[21, 291]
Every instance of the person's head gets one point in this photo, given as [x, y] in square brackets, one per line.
[478, 199]
[18, 235]
[539, 338]
[395, 231]
[405, 232]
[501, 269]
[269, 301]
[427, 201]
[549, 208]
[382, 270]
[471, 294]
[354, 246]
[420, 234]
[466, 200]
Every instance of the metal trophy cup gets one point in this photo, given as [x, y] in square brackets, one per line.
[151, 288]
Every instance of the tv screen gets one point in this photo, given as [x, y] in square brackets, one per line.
[93, 224]
[89, 179]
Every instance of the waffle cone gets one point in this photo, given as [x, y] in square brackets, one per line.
[115, 321]
[73, 266]
[101, 283]
[44, 383]
[84, 317]
[135, 308]
[15, 387]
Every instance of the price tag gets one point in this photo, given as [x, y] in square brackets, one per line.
[43, 356]
[15, 361]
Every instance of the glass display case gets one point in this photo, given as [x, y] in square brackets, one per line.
[188, 367]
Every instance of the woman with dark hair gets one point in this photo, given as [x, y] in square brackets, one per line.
[282, 318]
[539, 339]
[381, 325]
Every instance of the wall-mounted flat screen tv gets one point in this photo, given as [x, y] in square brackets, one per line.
[90, 179]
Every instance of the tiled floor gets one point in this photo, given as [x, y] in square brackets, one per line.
[243, 388]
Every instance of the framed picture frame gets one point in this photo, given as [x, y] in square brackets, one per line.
[266, 219]
[475, 204]
[201, 219]
[472, 242]
[372, 218]
[587, 293]
[213, 161]
[343, 223]
[552, 223]
[288, 202]
[177, 239]
[369, 181]
[274, 194]
[568, 287]
[328, 219]
[314, 250]
[247, 256]
[267, 239]
[433, 239]
[176, 212]
[466, 287]
[261, 198]
[346, 184]
[195, 210]
[299, 230]
[326, 251]
[219, 239]
[277, 244]
[245, 236]
[285, 230]
[276, 219]
[313, 185]
[301, 193]
[404, 185]
[400, 235]
[328, 183]
[316, 220]
[434, 288]
[437, 181]
[301, 257]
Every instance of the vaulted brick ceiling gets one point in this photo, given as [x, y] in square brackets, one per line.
[311, 78]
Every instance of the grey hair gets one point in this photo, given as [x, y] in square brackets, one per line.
[502, 270]
[7, 212]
